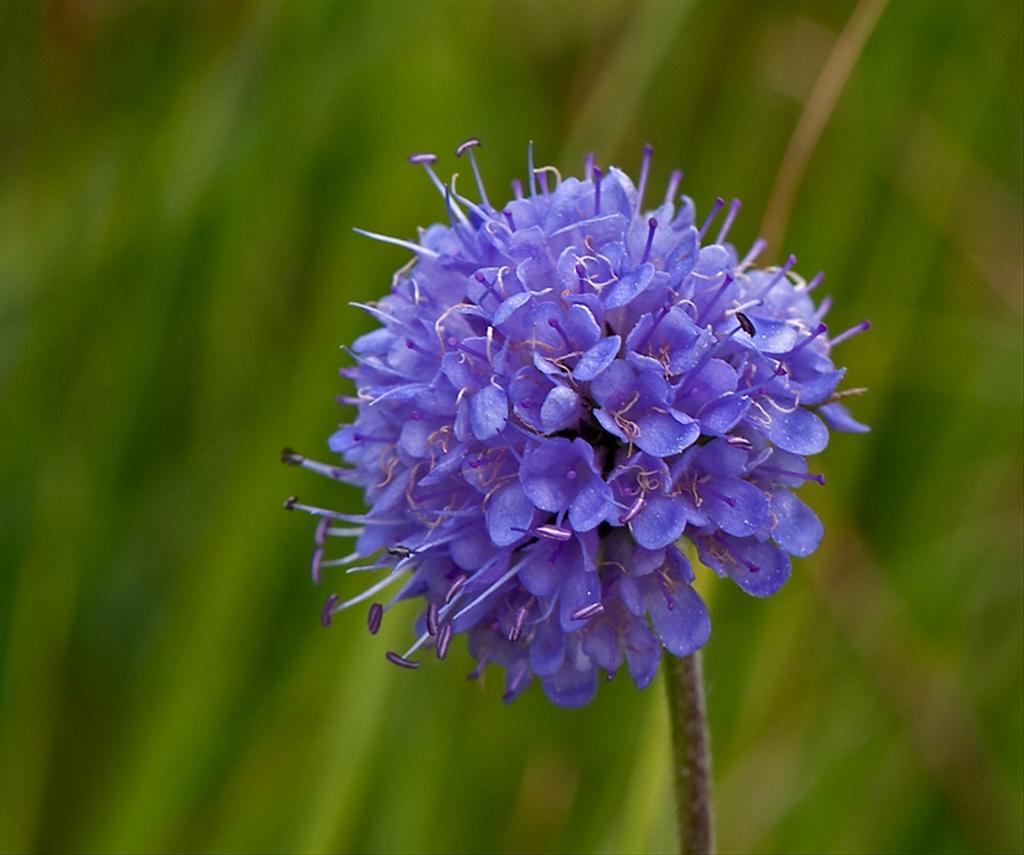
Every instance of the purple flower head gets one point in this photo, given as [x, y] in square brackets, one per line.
[562, 393]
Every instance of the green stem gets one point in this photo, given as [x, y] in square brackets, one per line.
[691, 754]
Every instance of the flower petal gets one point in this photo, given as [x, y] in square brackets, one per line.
[797, 528]
[509, 514]
[659, 523]
[488, 412]
[597, 358]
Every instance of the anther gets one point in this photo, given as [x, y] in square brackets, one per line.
[588, 166]
[433, 613]
[652, 227]
[634, 509]
[328, 609]
[422, 157]
[745, 324]
[290, 457]
[444, 639]
[322, 526]
[401, 661]
[517, 625]
[597, 190]
[553, 532]
[587, 612]
[508, 218]
[290, 503]
[400, 551]
[468, 146]
[530, 169]
[455, 587]
[740, 442]
[374, 618]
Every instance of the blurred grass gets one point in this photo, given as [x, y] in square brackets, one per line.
[178, 187]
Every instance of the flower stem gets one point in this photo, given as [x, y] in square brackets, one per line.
[691, 754]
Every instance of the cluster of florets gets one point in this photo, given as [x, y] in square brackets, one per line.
[563, 391]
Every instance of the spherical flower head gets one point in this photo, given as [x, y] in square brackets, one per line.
[562, 393]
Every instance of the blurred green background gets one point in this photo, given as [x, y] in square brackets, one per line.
[178, 190]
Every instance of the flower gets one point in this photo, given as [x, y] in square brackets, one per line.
[562, 392]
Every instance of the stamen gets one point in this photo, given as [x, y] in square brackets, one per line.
[597, 190]
[705, 315]
[529, 169]
[468, 146]
[740, 442]
[400, 551]
[782, 271]
[542, 174]
[328, 610]
[863, 326]
[555, 325]
[822, 328]
[715, 208]
[508, 218]
[401, 661]
[789, 473]
[652, 227]
[645, 166]
[734, 207]
[673, 185]
[755, 250]
[587, 612]
[815, 281]
[432, 618]
[588, 166]
[517, 188]
[374, 618]
[405, 244]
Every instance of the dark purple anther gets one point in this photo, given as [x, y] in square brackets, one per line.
[432, 618]
[456, 586]
[400, 551]
[587, 612]
[290, 457]
[423, 157]
[374, 618]
[401, 661]
[597, 190]
[508, 218]
[290, 502]
[745, 324]
[444, 639]
[652, 227]
[328, 609]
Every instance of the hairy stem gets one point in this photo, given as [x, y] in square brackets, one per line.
[691, 754]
